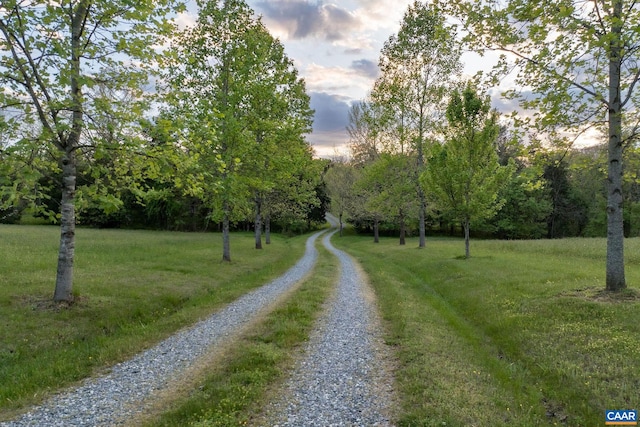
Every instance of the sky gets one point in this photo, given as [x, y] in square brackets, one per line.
[335, 45]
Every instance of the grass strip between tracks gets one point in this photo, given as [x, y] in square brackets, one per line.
[234, 388]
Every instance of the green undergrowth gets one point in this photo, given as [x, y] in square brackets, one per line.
[521, 334]
[132, 289]
[233, 390]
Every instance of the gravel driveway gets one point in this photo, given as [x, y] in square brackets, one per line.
[112, 399]
[342, 379]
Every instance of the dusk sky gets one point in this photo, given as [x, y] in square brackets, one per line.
[335, 46]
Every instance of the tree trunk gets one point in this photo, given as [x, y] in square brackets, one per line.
[376, 230]
[422, 198]
[403, 231]
[466, 225]
[267, 229]
[423, 214]
[340, 224]
[258, 223]
[66, 253]
[226, 244]
[615, 221]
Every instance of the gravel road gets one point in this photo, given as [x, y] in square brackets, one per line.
[342, 379]
[112, 399]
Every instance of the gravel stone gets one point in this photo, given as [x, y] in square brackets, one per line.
[343, 379]
[112, 399]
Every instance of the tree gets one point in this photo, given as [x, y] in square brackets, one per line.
[526, 208]
[417, 67]
[316, 213]
[278, 115]
[464, 173]
[390, 184]
[340, 179]
[51, 56]
[579, 60]
[25, 169]
[568, 215]
[364, 134]
[246, 110]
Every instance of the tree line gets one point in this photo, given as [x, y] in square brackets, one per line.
[428, 152]
[112, 115]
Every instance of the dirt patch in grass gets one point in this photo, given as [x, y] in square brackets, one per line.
[46, 303]
[601, 295]
[555, 412]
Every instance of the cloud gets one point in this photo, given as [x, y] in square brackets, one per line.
[377, 15]
[352, 81]
[300, 19]
[332, 112]
[329, 127]
[366, 68]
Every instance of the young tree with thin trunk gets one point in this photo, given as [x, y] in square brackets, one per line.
[418, 66]
[278, 115]
[51, 55]
[464, 173]
[579, 60]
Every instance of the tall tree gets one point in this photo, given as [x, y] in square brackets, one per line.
[278, 115]
[417, 67]
[50, 55]
[580, 60]
[244, 102]
[464, 173]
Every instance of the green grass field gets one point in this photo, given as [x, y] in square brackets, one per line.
[520, 335]
[132, 289]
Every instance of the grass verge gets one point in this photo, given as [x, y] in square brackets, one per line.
[132, 288]
[520, 335]
[234, 389]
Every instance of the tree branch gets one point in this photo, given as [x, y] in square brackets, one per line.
[631, 87]
[12, 40]
[553, 72]
[600, 20]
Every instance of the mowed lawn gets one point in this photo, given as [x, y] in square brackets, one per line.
[518, 335]
[133, 288]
